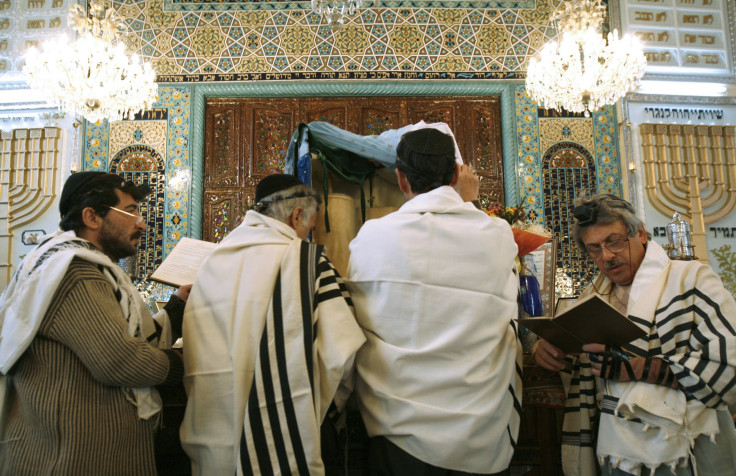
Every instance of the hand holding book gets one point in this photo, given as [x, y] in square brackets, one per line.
[548, 356]
[590, 321]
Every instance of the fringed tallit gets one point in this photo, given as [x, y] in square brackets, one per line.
[690, 320]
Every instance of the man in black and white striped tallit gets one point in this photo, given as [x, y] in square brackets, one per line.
[271, 334]
[661, 403]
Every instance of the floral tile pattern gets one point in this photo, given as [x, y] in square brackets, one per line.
[167, 138]
[576, 155]
[553, 130]
[280, 5]
[536, 135]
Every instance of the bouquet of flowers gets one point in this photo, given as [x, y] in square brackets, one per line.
[510, 214]
[528, 236]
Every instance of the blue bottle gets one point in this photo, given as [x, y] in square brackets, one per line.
[531, 298]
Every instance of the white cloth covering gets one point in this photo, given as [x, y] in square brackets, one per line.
[666, 430]
[27, 298]
[435, 291]
[229, 326]
[381, 147]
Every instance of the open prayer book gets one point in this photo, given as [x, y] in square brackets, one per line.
[181, 265]
[590, 321]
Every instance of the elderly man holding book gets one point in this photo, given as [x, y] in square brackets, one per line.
[660, 404]
[269, 335]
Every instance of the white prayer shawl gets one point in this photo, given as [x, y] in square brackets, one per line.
[25, 301]
[259, 382]
[690, 320]
[435, 289]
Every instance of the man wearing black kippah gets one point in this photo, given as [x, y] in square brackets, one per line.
[80, 352]
[267, 347]
[435, 290]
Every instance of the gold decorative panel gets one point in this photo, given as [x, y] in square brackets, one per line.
[28, 183]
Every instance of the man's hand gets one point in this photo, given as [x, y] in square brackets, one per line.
[614, 368]
[183, 292]
[622, 368]
[467, 184]
[548, 356]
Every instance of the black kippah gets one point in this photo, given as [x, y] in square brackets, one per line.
[587, 212]
[82, 182]
[427, 157]
[275, 183]
[428, 142]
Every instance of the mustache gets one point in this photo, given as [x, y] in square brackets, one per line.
[136, 235]
[610, 264]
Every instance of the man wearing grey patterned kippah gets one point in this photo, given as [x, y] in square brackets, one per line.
[661, 403]
[435, 289]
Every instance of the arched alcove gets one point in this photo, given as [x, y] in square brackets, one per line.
[201, 92]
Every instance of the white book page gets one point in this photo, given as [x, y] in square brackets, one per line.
[180, 267]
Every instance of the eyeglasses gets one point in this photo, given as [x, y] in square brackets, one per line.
[138, 218]
[615, 246]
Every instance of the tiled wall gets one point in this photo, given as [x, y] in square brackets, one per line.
[209, 48]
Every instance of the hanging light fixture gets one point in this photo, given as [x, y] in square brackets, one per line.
[92, 76]
[336, 11]
[581, 72]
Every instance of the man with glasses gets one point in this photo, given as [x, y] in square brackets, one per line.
[660, 404]
[269, 335]
[80, 353]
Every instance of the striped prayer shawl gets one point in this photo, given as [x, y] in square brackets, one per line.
[277, 336]
[690, 320]
[283, 415]
[515, 387]
[580, 424]
[25, 301]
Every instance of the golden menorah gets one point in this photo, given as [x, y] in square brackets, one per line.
[692, 170]
[28, 169]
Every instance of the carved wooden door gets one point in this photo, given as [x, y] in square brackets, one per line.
[244, 142]
[246, 139]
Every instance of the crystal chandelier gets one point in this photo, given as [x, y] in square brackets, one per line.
[336, 11]
[582, 72]
[92, 76]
